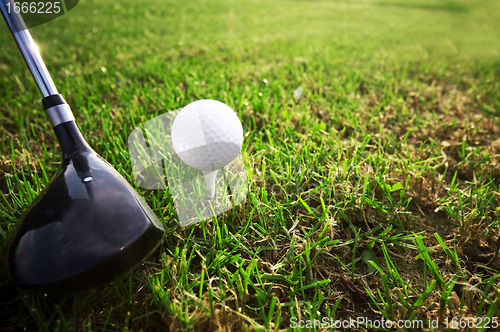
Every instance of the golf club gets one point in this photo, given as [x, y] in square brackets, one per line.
[88, 225]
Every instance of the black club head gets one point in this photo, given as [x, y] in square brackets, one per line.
[87, 226]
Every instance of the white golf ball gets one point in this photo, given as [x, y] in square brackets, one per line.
[207, 135]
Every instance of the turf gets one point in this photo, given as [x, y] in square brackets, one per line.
[373, 193]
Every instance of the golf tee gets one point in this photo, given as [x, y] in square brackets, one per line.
[210, 181]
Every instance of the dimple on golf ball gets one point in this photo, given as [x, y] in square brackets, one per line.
[207, 135]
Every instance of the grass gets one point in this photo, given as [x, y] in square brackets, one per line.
[374, 194]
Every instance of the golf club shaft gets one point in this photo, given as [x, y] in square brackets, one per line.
[28, 49]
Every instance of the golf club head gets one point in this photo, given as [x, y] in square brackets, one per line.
[87, 226]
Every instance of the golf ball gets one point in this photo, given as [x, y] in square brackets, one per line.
[207, 135]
